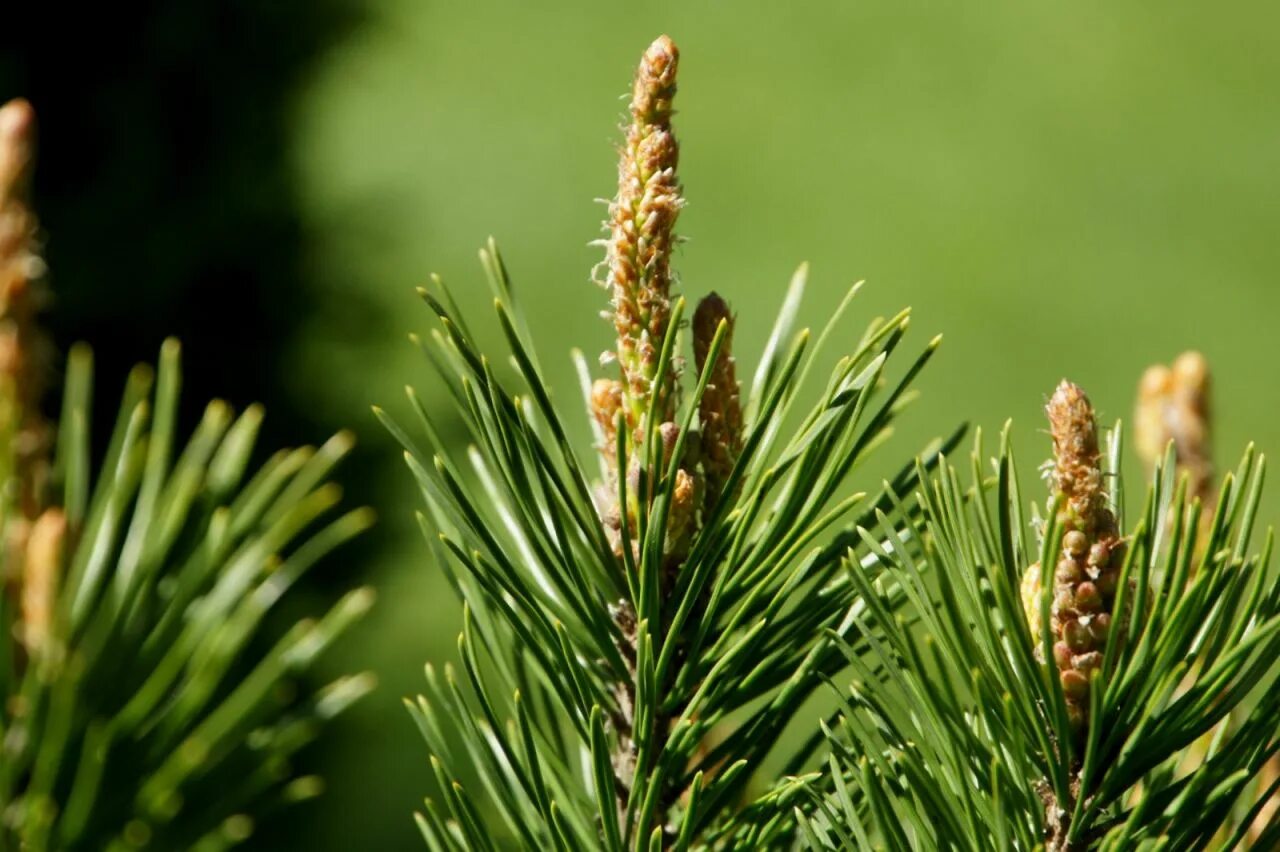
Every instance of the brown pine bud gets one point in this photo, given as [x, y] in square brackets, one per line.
[720, 409]
[1076, 686]
[606, 400]
[680, 520]
[1068, 572]
[1088, 598]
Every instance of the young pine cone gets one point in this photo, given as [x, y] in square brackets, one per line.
[1085, 578]
[720, 409]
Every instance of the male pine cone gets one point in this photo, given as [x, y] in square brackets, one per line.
[1085, 577]
[639, 278]
[641, 222]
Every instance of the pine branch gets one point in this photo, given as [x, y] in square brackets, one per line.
[146, 703]
[635, 645]
[957, 736]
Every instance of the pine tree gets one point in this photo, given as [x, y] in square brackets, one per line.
[148, 704]
[642, 634]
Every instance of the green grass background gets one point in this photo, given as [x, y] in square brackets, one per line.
[1063, 189]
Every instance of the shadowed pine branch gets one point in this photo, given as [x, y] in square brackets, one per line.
[148, 703]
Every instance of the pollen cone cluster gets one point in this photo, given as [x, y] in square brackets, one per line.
[641, 222]
[1084, 580]
[639, 279]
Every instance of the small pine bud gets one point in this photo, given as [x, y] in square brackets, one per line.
[720, 409]
[606, 400]
[680, 520]
[668, 435]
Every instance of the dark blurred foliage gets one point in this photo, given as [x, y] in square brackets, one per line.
[163, 184]
[168, 203]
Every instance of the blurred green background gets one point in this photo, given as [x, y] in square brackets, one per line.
[1072, 189]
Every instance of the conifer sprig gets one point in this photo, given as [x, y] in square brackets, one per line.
[146, 702]
[957, 735]
[632, 652]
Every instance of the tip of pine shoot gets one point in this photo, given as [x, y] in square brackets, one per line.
[304, 788]
[341, 442]
[361, 600]
[936, 342]
[363, 517]
[362, 682]
[80, 352]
